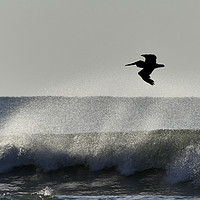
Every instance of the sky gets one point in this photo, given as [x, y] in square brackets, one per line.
[80, 47]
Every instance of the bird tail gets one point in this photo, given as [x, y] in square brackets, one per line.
[130, 64]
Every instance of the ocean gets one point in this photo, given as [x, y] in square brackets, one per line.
[99, 148]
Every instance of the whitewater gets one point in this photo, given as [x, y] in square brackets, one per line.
[83, 147]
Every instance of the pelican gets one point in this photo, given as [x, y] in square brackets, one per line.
[148, 66]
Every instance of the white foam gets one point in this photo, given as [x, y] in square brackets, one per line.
[186, 166]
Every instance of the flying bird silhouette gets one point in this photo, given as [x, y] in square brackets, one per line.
[148, 66]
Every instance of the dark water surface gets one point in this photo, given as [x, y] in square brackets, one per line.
[80, 181]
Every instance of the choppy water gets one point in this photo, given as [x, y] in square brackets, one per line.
[99, 148]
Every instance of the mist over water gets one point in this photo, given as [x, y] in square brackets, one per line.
[62, 115]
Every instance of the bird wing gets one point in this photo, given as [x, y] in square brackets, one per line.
[145, 75]
[146, 72]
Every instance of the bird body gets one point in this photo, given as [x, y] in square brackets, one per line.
[148, 66]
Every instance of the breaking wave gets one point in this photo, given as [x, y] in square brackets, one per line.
[177, 151]
[129, 134]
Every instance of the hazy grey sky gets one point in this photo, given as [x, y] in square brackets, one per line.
[80, 47]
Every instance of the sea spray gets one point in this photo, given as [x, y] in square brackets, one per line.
[64, 115]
